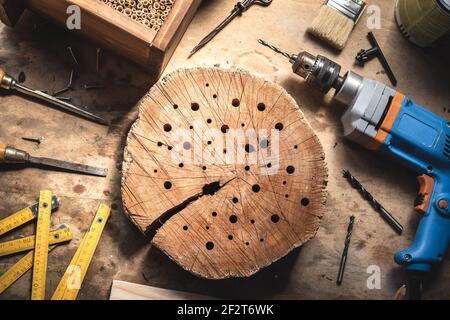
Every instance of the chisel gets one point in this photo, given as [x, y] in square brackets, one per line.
[9, 83]
[12, 155]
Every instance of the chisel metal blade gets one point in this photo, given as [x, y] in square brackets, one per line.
[74, 167]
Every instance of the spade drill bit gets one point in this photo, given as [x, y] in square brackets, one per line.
[12, 155]
[374, 203]
[9, 83]
[345, 251]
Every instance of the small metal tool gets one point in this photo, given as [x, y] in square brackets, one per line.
[374, 203]
[345, 252]
[12, 155]
[9, 83]
[239, 8]
[366, 55]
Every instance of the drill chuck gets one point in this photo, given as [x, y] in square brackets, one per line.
[319, 72]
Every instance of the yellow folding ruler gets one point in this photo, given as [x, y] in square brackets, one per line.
[41, 246]
[70, 284]
[62, 234]
[23, 216]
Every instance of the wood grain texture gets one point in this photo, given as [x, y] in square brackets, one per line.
[261, 211]
[122, 290]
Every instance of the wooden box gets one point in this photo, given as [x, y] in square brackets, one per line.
[113, 30]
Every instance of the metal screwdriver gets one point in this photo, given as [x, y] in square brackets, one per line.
[9, 83]
[10, 154]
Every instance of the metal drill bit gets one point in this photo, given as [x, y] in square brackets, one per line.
[9, 83]
[12, 155]
[238, 10]
[277, 50]
[345, 251]
[374, 203]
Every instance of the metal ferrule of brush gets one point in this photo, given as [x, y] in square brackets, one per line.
[319, 72]
[353, 9]
[7, 82]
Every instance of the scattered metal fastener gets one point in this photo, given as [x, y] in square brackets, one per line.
[72, 55]
[366, 55]
[345, 252]
[92, 87]
[374, 203]
[37, 140]
[64, 98]
[238, 10]
[97, 64]
[69, 85]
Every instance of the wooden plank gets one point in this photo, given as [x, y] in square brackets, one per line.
[10, 11]
[122, 290]
[232, 213]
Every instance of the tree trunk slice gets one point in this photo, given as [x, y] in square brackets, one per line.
[221, 220]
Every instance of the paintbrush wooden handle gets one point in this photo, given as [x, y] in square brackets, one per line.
[2, 151]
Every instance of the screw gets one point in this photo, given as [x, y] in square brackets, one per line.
[72, 55]
[37, 140]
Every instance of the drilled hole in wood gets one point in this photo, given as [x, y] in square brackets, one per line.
[175, 106]
[242, 125]
[185, 228]
[233, 218]
[261, 107]
[214, 214]
[286, 196]
[252, 221]
[215, 96]
[160, 144]
[290, 169]
[295, 147]
[224, 151]
[181, 165]
[249, 148]
[187, 145]
[247, 243]
[155, 171]
[207, 84]
[235, 200]
[207, 227]
[262, 240]
[191, 127]
[269, 165]
[209, 245]
[168, 185]
[209, 142]
[247, 168]
[230, 237]
[236, 102]
[256, 188]
[284, 182]
[305, 202]
[264, 143]
[204, 168]
[224, 128]
[169, 148]
[279, 126]
[209, 121]
[275, 218]
[195, 106]
[167, 127]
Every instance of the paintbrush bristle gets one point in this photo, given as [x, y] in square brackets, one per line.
[332, 27]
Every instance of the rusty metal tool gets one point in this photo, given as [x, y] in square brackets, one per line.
[10, 154]
[9, 83]
[238, 10]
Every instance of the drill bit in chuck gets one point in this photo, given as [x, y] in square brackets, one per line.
[373, 202]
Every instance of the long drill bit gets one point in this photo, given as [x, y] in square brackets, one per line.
[277, 50]
[345, 252]
[373, 202]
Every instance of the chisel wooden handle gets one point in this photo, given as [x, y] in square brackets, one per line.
[2, 74]
[2, 151]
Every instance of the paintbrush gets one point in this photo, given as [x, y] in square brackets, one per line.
[336, 20]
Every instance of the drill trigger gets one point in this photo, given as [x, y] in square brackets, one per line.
[423, 199]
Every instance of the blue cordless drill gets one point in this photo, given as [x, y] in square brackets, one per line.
[387, 121]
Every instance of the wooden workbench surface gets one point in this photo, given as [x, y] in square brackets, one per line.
[39, 49]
